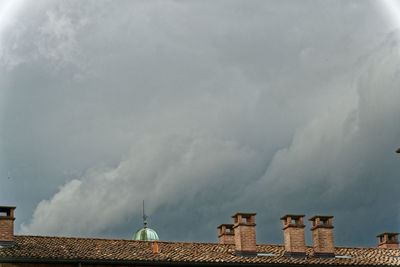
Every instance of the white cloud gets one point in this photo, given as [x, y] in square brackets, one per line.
[161, 169]
[58, 40]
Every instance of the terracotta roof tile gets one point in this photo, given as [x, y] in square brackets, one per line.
[64, 249]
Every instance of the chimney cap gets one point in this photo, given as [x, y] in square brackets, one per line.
[293, 216]
[321, 217]
[8, 212]
[243, 214]
[228, 225]
[7, 207]
[387, 233]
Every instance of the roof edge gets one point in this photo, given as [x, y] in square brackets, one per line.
[156, 263]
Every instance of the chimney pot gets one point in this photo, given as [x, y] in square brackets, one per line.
[6, 226]
[293, 234]
[388, 240]
[226, 234]
[155, 247]
[322, 235]
[245, 234]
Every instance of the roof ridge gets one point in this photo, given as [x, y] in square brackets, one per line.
[171, 242]
[73, 237]
[118, 239]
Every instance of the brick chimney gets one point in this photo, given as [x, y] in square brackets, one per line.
[293, 235]
[322, 235]
[6, 226]
[155, 247]
[245, 234]
[388, 240]
[226, 234]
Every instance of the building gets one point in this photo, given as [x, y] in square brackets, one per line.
[237, 247]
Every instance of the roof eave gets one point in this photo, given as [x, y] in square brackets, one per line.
[157, 263]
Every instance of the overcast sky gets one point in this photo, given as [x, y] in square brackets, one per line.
[202, 109]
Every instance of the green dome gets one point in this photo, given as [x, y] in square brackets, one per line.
[146, 234]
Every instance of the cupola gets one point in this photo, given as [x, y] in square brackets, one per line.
[145, 233]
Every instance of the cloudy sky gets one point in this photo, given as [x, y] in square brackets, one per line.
[202, 109]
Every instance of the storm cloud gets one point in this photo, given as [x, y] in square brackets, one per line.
[202, 109]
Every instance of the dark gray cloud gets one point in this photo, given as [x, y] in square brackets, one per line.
[202, 109]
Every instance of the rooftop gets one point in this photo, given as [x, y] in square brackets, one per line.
[118, 251]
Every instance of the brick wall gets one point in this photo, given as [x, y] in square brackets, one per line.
[294, 239]
[7, 223]
[227, 239]
[293, 235]
[6, 229]
[323, 240]
[226, 234]
[245, 232]
[322, 235]
[245, 238]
